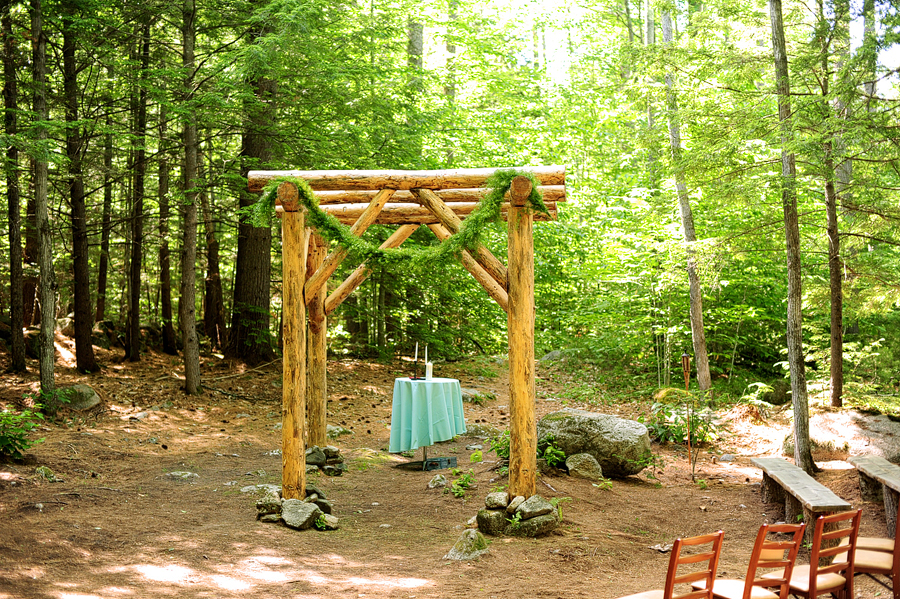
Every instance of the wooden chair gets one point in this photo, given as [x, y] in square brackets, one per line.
[767, 554]
[812, 580]
[711, 559]
[877, 561]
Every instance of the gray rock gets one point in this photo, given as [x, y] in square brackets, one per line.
[533, 507]
[315, 456]
[469, 546]
[299, 515]
[726, 457]
[326, 506]
[66, 326]
[139, 416]
[269, 503]
[475, 396]
[331, 470]
[621, 447]
[181, 475]
[552, 356]
[482, 431]
[498, 500]
[331, 452]
[439, 480]
[262, 489]
[270, 518]
[333, 432]
[533, 527]
[314, 490]
[82, 397]
[514, 504]
[492, 522]
[583, 465]
[474, 447]
[312, 469]
[330, 522]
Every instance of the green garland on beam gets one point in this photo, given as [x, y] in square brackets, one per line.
[469, 236]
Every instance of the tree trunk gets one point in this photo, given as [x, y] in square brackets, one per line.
[213, 308]
[698, 336]
[799, 398]
[652, 158]
[250, 339]
[186, 307]
[84, 321]
[170, 345]
[133, 332]
[835, 276]
[103, 266]
[11, 126]
[48, 285]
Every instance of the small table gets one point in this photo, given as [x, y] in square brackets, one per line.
[425, 411]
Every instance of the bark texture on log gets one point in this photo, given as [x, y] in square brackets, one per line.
[408, 213]
[440, 179]
[293, 410]
[520, 325]
[550, 193]
[316, 350]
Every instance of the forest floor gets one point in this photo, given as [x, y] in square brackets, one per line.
[116, 526]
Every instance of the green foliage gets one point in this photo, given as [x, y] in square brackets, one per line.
[500, 445]
[549, 451]
[604, 484]
[476, 457]
[15, 429]
[558, 502]
[515, 522]
[463, 483]
[670, 424]
[320, 523]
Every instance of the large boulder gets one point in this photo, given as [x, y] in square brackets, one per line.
[82, 397]
[621, 447]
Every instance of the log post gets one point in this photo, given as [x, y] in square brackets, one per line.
[317, 351]
[520, 325]
[293, 409]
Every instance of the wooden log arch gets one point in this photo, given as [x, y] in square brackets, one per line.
[441, 200]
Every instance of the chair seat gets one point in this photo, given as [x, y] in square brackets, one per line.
[800, 580]
[872, 562]
[872, 544]
[729, 588]
[655, 594]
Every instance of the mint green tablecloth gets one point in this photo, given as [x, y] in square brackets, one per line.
[425, 412]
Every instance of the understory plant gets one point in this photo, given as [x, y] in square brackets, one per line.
[15, 429]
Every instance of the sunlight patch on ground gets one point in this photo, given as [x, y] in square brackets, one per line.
[230, 584]
[172, 573]
[117, 591]
[78, 596]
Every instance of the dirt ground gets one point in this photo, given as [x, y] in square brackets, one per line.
[117, 527]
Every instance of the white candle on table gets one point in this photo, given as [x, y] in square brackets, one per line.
[416, 358]
[429, 370]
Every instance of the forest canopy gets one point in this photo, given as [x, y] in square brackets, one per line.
[130, 128]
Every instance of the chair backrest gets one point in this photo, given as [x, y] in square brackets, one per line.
[691, 560]
[777, 553]
[825, 547]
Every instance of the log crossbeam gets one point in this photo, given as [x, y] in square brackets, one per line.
[493, 288]
[363, 270]
[453, 223]
[335, 258]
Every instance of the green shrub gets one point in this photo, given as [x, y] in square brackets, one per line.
[14, 431]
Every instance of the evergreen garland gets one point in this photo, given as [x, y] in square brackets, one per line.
[469, 236]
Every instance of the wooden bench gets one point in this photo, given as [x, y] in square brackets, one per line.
[878, 478]
[787, 484]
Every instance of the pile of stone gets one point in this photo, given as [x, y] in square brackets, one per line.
[301, 514]
[519, 517]
[328, 459]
